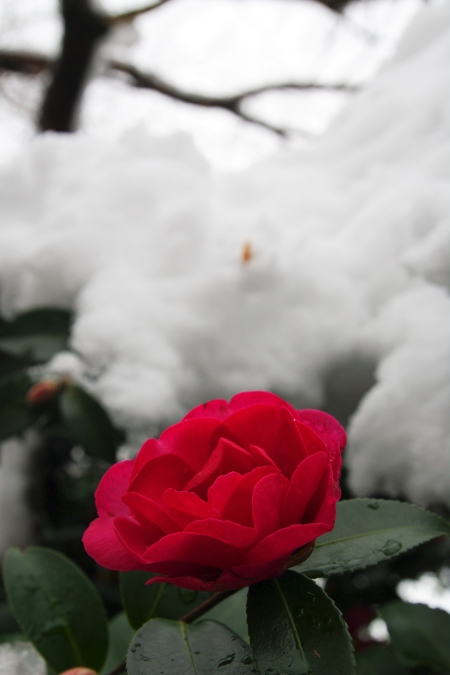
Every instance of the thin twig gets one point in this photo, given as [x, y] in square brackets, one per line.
[126, 17]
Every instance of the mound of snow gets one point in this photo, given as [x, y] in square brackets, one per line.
[189, 285]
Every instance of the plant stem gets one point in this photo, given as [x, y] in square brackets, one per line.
[190, 617]
[206, 606]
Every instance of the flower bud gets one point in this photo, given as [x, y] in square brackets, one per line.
[42, 392]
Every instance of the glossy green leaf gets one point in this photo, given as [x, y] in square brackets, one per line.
[37, 334]
[176, 648]
[296, 629]
[88, 423]
[120, 636]
[419, 634]
[379, 660]
[369, 531]
[142, 603]
[56, 607]
[15, 413]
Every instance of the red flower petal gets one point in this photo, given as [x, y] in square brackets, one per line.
[237, 535]
[260, 456]
[176, 551]
[220, 409]
[221, 490]
[160, 473]
[184, 507]
[288, 448]
[327, 510]
[216, 409]
[111, 488]
[246, 398]
[141, 506]
[101, 543]
[283, 543]
[269, 428]
[205, 582]
[304, 484]
[325, 492]
[227, 456]
[255, 425]
[330, 431]
[312, 442]
[189, 439]
[267, 503]
[239, 505]
[135, 538]
[148, 451]
[234, 578]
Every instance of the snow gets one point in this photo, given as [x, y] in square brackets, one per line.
[189, 284]
[15, 527]
[20, 658]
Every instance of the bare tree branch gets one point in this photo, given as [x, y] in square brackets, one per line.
[231, 103]
[32, 64]
[24, 62]
[129, 16]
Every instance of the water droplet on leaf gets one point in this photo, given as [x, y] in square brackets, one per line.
[373, 505]
[226, 661]
[391, 547]
[246, 660]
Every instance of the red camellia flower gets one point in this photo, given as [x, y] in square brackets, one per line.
[231, 495]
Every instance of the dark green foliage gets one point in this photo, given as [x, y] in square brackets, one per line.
[120, 634]
[232, 613]
[369, 531]
[57, 608]
[379, 660]
[175, 648]
[295, 628]
[36, 335]
[88, 424]
[142, 603]
[420, 635]
[15, 414]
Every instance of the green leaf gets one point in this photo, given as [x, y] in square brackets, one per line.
[8, 624]
[142, 603]
[120, 635]
[37, 334]
[57, 608]
[88, 423]
[10, 364]
[379, 660]
[295, 628]
[232, 613]
[15, 414]
[420, 635]
[369, 531]
[176, 648]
